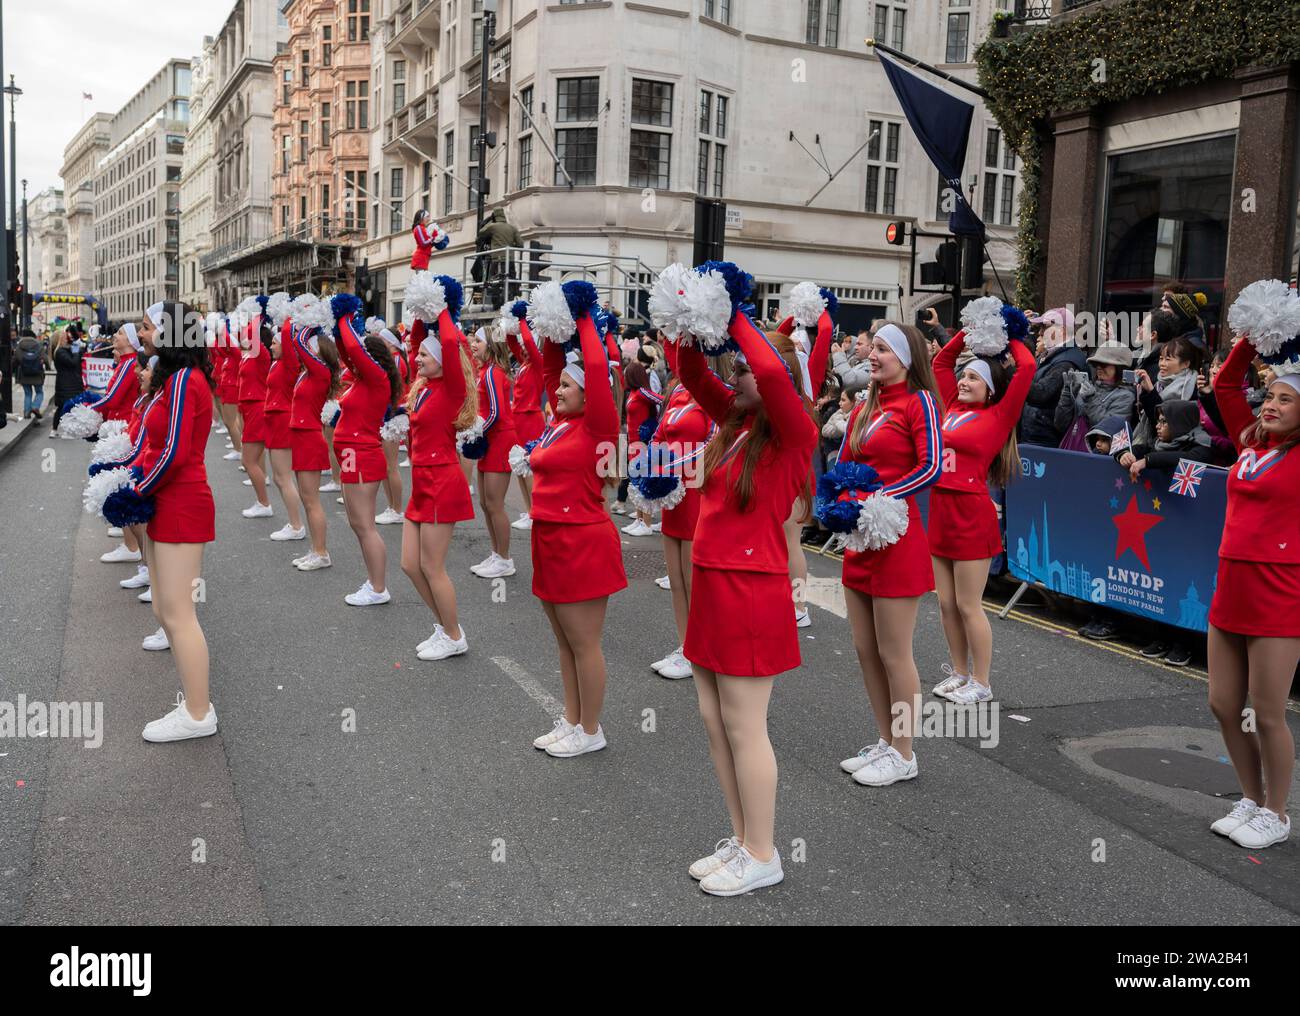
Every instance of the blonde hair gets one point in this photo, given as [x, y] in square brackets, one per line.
[920, 376]
[498, 353]
[469, 407]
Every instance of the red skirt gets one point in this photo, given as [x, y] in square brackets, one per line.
[901, 569]
[741, 623]
[573, 562]
[277, 429]
[310, 452]
[360, 464]
[679, 522]
[254, 414]
[183, 513]
[228, 393]
[439, 494]
[529, 426]
[1257, 598]
[963, 527]
[497, 459]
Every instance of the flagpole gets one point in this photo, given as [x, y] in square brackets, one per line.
[873, 44]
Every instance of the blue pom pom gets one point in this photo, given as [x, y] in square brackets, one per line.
[334, 421]
[855, 476]
[612, 323]
[79, 400]
[475, 449]
[124, 507]
[832, 302]
[344, 305]
[98, 467]
[455, 294]
[528, 448]
[519, 309]
[1017, 323]
[655, 488]
[441, 244]
[262, 301]
[1290, 350]
[647, 429]
[839, 516]
[582, 298]
[740, 284]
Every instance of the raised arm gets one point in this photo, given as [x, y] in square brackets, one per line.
[180, 408]
[821, 352]
[289, 350]
[706, 388]
[945, 368]
[1230, 394]
[782, 395]
[364, 366]
[552, 368]
[449, 336]
[923, 419]
[601, 417]
[1013, 400]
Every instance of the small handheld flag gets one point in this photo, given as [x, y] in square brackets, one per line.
[1122, 441]
[1187, 477]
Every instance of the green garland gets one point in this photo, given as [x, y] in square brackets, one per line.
[1149, 46]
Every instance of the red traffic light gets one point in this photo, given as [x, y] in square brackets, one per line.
[896, 233]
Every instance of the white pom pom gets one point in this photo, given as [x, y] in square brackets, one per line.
[986, 329]
[328, 412]
[806, 304]
[709, 306]
[375, 325]
[882, 522]
[110, 427]
[425, 297]
[277, 308]
[100, 486]
[668, 307]
[113, 448]
[655, 506]
[509, 324]
[519, 464]
[395, 428]
[1268, 312]
[313, 312]
[247, 311]
[80, 421]
[548, 313]
[469, 434]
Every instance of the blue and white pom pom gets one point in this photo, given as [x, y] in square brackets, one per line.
[111, 493]
[277, 308]
[310, 311]
[521, 459]
[806, 304]
[870, 523]
[548, 314]
[882, 522]
[343, 306]
[720, 291]
[511, 316]
[396, 427]
[329, 413]
[1268, 313]
[669, 308]
[78, 419]
[113, 447]
[653, 492]
[248, 310]
[986, 328]
[471, 442]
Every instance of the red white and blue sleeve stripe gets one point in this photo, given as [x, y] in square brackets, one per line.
[490, 384]
[422, 237]
[115, 385]
[175, 427]
[930, 455]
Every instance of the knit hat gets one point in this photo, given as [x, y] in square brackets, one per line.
[1115, 353]
[1186, 307]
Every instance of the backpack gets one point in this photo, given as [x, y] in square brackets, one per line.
[31, 362]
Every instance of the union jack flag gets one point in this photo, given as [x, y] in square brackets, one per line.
[1123, 441]
[1187, 477]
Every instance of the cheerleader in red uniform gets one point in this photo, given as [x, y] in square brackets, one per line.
[494, 401]
[1254, 632]
[895, 431]
[442, 402]
[225, 368]
[317, 382]
[254, 364]
[642, 413]
[577, 556]
[740, 631]
[171, 474]
[982, 407]
[376, 390]
[527, 393]
[392, 439]
[428, 238]
[280, 380]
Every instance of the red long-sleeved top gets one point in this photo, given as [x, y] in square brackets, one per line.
[567, 485]
[973, 436]
[494, 404]
[528, 382]
[433, 417]
[312, 386]
[424, 241]
[254, 366]
[642, 404]
[684, 429]
[754, 539]
[176, 440]
[228, 356]
[820, 354]
[282, 374]
[362, 406]
[902, 442]
[1263, 518]
[123, 389]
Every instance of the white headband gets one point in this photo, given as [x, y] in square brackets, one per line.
[1290, 380]
[132, 337]
[893, 335]
[573, 367]
[153, 361]
[433, 346]
[154, 314]
[982, 369]
[390, 338]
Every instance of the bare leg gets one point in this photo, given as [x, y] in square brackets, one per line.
[1229, 683]
[309, 488]
[798, 561]
[282, 471]
[971, 577]
[393, 481]
[335, 473]
[945, 586]
[677, 555]
[568, 667]
[411, 564]
[1272, 666]
[492, 489]
[744, 716]
[130, 539]
[706, 691]
[435, 541]
[895, 624]
[179, 565]
[359, 500]
[583, 624]
[251, 456]
[862, 623]
[234, 423]
[526, 488]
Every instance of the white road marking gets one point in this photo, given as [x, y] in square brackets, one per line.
[827, 593]
[530, 685]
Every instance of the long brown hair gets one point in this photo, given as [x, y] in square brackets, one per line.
[329, 354]
[469, 407]
[1006, 467]
[383, 354]
[920, 377]
[760, 432]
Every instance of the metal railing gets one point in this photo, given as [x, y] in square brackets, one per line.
[316, 229]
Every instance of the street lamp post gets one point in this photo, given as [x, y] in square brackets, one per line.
[141, 246]
[6, 378]
[24, 301]
[13, 91]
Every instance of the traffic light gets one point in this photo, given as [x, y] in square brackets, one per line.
[363, 285]
[896, 234]
[538, 263]
[710, 230]
[942, 271]
[972, 262]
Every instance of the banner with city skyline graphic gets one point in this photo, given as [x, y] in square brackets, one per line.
[1079, 525]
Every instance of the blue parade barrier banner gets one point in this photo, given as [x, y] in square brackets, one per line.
[1079, 525]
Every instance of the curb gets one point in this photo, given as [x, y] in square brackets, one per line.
[7, 441]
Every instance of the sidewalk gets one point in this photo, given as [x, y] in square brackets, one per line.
[16, 429]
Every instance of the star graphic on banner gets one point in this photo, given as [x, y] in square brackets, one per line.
[1156, 504]
[1114, 503]
[1146, 484]
[1133, 526]
[1119, 484]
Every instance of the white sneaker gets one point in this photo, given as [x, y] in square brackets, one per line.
[315, 562]
[656, 527]
[329, 488]
[289, 533]
[121, 554]
[637, 528]
[367, 597]
[950, 683]
[241, 467]
[248, 483]
[562, 729]
[444, 646]
[886, 768]
[677, 667]
[221, 429]
[404, 464]
[659, 664]
[664, 583]
[1242, 812]
[619, 507]
[299, 560]
[388, 517]
[864, 757]
[577, 742]
[156, 642]
[340, 500]
[743, 873]
[525, 521]
[722, 853]
[970, 693]
[179, 725]
[231, 456]
[230, 444]
[436, 635]
[802, 618]
[1263, 830]
[114, 532]
[146, 596]
[487, 562]
[258, 510]
[502, 568]
[137, 581]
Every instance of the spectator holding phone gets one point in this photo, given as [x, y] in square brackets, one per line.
[850, 365]
[1099, 395]
[1057, 356]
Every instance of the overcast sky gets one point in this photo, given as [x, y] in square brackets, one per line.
[58, 49]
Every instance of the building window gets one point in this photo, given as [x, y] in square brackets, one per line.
[357, 101]
[327, 46]
[306, 66]
[399, 84]
[325, 207]
[325, 124]
[304, 129]
[358, 20]
[882, 166]
[999, 178]
[711, 159]
[526, 137]
[884, 14]
[449, 161]
[395, 195]
[578, 101]
[651, 146]
[286, 86]
[374, 194]
[286, 152]
[355, 210]
[472, 164]
[718, 10]
[958, 36]
[822, 24]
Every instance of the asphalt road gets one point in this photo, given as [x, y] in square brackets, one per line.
[1092, 807]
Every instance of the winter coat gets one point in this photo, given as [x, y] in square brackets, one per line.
[852, 373]
[499, 233]
[1093, 400]
[1179, 387]
[23, 375]
[67, 374]
[1038, 418]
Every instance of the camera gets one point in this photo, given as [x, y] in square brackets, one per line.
[1130, 377]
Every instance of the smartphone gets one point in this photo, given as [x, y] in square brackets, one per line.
[1130, 377]
[922, 317]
